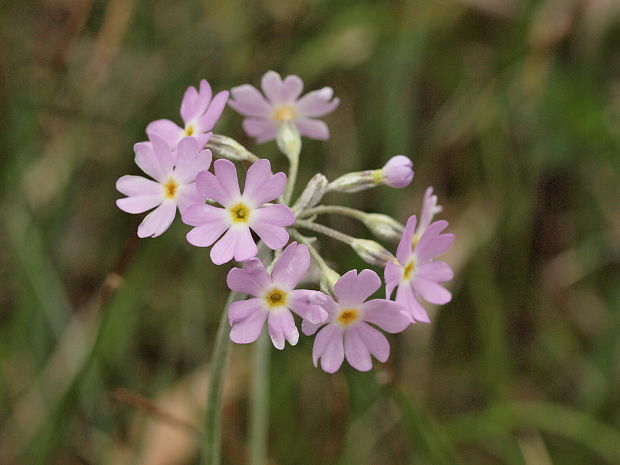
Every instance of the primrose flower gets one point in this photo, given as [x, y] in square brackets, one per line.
[174, 186]
[199, 113]
[263, 116]
[415, 272]
[274, 297]
[240, 213]
[397, 172]
[347, 333]
[429, 209]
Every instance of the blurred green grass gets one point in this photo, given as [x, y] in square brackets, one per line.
[509, 108]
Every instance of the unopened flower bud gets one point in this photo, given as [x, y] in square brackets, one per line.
[371, 252]
[397, 172]
[353, 182]
[225, 147]
[289, 140]
[383, 226]
[328, 279]
[312, 194]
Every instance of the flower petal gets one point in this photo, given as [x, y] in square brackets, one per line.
[291, 266]
[249, 101]
[317, 103]
[355, 350]
[282, 327]
[137, 185]
[404, 246]
[197, 215]
[437, 271]
[374, 341]
[236, 242]
[187, 196]
[391, 275]
[212, 185]
[139, 203]
[313, 128]
[291, 89]
[329, 347]
[431, 291]
[387, 315]
[242, 309]
[251, 279]
[226, 174]
[406, 298]
[260, 185]
[213, 113]
[352, 289]
[165, 129]
[262, 129]
[274, 215]
[306, 304]
[191, 160]
[158, 221]
[155, 163]
[274, 237]
[248, 329]
[271, 83]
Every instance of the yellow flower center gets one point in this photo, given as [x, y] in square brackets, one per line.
[408, 270]
[284, 113]
[275, 298]
[348, 316]
[415, 240]
[240, 213]
[189, 130]
[170, 189]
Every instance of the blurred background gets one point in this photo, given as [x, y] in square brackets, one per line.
[509, 108]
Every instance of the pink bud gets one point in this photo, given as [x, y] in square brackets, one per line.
[397, 172]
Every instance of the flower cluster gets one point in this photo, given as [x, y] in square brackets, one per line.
[342, 314]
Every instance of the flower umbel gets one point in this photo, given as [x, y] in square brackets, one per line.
[347, 333]
[174, 185]
[240, 212]
[199, 112]
[274, 297]
[282, 104]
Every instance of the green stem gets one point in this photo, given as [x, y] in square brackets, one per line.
[213, 411]
[342, 237]
[259, 419]
[336, 209]
[292, 179]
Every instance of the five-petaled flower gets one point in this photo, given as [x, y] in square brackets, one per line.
[416, 274]
[274, 297]
[347, 333]
[240, 213]
[263, 116]
[174, 184]
[199, 112]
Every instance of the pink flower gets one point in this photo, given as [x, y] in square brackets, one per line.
[347, 333]
[415, 273]
[240, 213]
[199, 113]
[397, 172]
[174, 184]
[282, 104]
[429, 209]
[274, 298]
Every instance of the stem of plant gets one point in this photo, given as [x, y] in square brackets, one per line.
[213, 410]
[342, 237]
[335, 209]
[259, 419]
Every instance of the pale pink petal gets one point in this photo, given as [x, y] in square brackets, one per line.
[291, 89]
[330, 340]
[191, 160]
[153, 163]
[262, 129]
[137, 185]
[197, 215]
[272, 86]
[245, 247]
[391, 275]
[158, 221]
[352, 289]
[236, 242]
[139, 204]
[374, 341]
[387, 315]
[275, 215]
[242, 309]
[221, 186]
[216, 107]
[248, 330]
[260, 185]
[291, 266]
[249, 102]
[251, 279]
[165, 129]
[309, 328]
[282, 327]
[429, 209]
[317, 103]
[202, 138]
[404, 246]
[432, 248]
[206, 234]
[187, 196]
[313, 128]
[406, 298]
[274, 237]
[226, 174]
[307, 305]
[431, 291]
[435, 271]
[355, 350]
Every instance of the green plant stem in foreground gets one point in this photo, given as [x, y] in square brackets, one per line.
[213, 409]
[259, 413]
